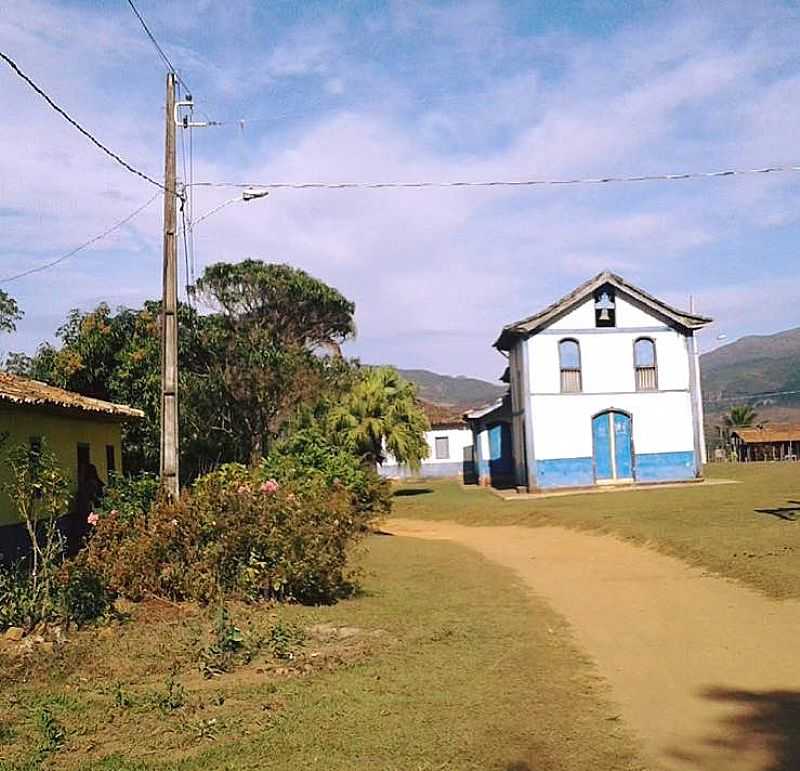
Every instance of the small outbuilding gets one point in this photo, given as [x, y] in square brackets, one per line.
[83, 433]
[773, 442]
[449, 448]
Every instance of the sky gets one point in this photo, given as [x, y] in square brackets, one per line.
[408, 91]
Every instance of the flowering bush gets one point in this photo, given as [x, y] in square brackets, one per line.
[237, 533]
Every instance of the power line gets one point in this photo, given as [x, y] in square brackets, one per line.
[501, 182]
[11, 63]
[158, 48]
[83, 246]
[740, 397]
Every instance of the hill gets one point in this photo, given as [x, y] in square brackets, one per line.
[452, 391]
[756, 364]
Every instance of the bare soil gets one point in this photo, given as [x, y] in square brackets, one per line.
[704, 669]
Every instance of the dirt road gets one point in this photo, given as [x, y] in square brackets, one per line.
[705, 671]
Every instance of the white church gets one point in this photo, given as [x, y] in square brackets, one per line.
[604, 390]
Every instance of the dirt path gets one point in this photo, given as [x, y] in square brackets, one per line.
[705, 670]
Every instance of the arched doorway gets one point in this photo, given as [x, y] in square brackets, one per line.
[612, 441]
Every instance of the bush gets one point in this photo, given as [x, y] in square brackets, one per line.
[308, 457]
[43, 587]
[235, 533]
[131, 496]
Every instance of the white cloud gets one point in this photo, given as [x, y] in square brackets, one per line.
[435, 93]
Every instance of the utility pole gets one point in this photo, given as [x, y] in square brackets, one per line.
[170, 481]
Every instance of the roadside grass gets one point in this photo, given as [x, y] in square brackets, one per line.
[748, 531]
[443, 662]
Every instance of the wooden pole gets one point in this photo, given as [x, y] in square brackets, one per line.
[169, 310]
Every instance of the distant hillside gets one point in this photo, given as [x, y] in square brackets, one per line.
[756, 364]
[460, 392]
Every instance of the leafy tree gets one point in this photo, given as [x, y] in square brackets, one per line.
[275, 325]
[379, 415]
[10, 313]
[244, 370]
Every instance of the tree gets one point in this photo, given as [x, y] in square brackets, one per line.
[380, 415]
[10, 313]
[740, 416]
[275, 324]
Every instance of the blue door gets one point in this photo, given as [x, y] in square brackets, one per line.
[603, 467]
[613, 450]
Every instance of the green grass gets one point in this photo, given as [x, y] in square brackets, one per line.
[723, 528]
[452, 666]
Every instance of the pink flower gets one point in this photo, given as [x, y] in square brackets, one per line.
[93, 519]
[243, 489]
[269, 487]
[113, 512]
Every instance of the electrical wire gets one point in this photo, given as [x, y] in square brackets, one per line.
[83, 246]
[217, 208]
[741, 397]
[13, 65]
[499, 183]
[158, 48]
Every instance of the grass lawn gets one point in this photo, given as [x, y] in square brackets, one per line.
[745, 531]
[445, 662]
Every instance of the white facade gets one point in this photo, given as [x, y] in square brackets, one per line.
[448, 451]
[605, 429]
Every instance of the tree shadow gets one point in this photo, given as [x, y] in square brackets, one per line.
[409, 491]
[764, 722]
[790, 513]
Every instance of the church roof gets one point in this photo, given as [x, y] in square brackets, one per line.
[533, 324]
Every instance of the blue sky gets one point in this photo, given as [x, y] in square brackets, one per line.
[403, 91]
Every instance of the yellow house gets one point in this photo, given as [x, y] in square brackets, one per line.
[83, 433]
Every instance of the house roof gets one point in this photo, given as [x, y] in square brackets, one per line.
[789, 432]
[485, 409]
[20, 390]
[532, 324]
[440, 416]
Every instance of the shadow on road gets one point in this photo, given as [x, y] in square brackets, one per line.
[763, 727]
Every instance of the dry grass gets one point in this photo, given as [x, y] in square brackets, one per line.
[443, 662]
[748, 531]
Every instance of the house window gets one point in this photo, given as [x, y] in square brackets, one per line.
[605, 308]
[569, 357]
[442, 448]
[644, 361]
[111, 460]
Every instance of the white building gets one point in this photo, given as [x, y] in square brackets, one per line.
[449, 449]
[604, 389]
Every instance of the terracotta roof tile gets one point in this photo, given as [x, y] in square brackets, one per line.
[20, 390]
[776, 433]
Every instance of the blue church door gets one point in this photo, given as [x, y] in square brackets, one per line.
[613, 447]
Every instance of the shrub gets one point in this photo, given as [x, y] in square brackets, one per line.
[236, 532]
[308, 457]
[131, 496]
[44, 587]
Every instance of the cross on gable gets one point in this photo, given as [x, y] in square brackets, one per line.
[604, 305]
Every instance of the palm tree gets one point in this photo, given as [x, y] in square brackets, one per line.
[741, 416]
[380, 415]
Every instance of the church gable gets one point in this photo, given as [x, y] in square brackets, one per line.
[605, 301]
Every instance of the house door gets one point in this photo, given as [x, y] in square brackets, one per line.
[613, 447]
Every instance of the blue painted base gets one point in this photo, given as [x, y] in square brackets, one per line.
[666, 466]
[564, 472]
[648, 467]
[427, 470]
